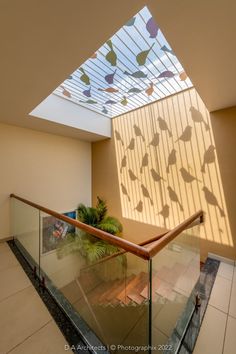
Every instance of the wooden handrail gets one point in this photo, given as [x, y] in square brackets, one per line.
[160, 244]
[115, 240]
[119, 253]
[138, 250]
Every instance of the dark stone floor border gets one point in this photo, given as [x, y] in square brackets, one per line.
[79, 336]
[203, 288]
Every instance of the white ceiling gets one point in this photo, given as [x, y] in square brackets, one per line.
[36, 36]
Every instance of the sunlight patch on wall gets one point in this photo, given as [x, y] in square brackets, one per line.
[168, 168]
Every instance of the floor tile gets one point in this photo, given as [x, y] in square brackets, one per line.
[166, 319]
[7, 259]
[221, 294]
[226, 270]
[21, 315]
[47, 340]
[211, 336]
[4, 247]
[232, 306]
[230, 338]
[12, 280]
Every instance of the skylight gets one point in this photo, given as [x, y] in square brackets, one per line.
[134, 67]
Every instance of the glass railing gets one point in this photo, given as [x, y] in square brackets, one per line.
[175, 272]
[25, 227]
[130, 297]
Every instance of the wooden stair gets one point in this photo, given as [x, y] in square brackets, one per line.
[132, 290]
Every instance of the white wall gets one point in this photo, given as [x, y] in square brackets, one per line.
[50, 170]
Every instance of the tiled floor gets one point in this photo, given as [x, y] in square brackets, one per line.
[26, 326]
[218, 331]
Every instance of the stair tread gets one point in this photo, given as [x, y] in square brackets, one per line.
[113, 293]
[155, 283]
[113, 286]
[130, 288]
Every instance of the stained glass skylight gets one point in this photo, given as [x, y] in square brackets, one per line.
[134, 67]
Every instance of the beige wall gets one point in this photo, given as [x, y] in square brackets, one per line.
[48, 169]
[105, 184]
[218, 232]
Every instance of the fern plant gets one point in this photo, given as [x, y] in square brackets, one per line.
[89, 246]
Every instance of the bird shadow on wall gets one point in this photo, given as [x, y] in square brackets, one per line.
[168, 167]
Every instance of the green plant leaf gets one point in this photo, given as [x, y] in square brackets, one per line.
[94, 251]
[101, 209]
[71, 244]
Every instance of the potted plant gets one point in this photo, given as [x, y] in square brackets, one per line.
[90, 247]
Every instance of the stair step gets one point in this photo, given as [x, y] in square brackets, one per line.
[95, 294]
[155, 284]
[135, 295]
[112, 296]
[123, 295]
[112, 287]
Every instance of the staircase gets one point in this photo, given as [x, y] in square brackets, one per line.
[132, 289]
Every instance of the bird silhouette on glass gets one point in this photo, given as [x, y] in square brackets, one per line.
[187, 177]
[124, 191]
[111, 56]
[166, 74]
[144, 162]
[139, 74]
[149, 91]
[130, 22]
[84, 77]
[89, 101]
[123, 163]
[171, 160]
[197, 117]
[110, 102]
[167, 50]
[138, 132]
[65, 92]
[118, 137]
[110, 78]
[156, 177]
[163, 126]
[142, 56]
[124, 101]
[173, 196]
[132, 176]
[139, 206]
[211, 199]
[165, 212]
[146, 193]
[104, 110]
[155, 140]
[87, 93]
[152, 28]
[183, 76]
[131, 144]
[209, 157]
[186, 135]
[134, 90]
[108, 89]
